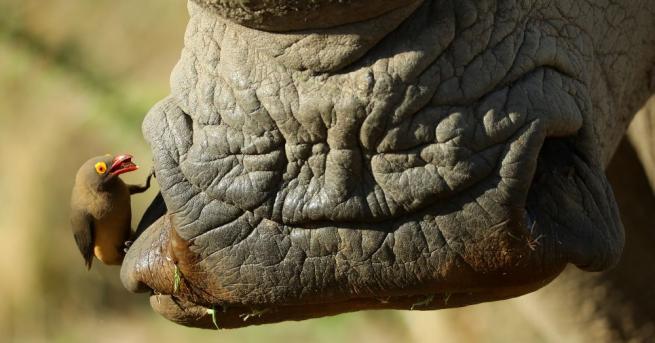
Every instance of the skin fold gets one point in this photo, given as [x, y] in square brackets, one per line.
[431, 155]
[286, 15]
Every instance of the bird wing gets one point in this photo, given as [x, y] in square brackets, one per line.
[84, 232]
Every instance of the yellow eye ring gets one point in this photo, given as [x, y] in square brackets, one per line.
[101, 167]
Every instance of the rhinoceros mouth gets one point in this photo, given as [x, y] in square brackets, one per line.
[507, 203]
[375, 143]
[406, 173]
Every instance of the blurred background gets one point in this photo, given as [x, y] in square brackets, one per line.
[76, 79]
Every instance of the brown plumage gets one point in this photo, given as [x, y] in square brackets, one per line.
[100, 208]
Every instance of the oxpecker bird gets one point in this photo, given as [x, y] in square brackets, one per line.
[100, 208]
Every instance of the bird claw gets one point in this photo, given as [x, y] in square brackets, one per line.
[126, 246]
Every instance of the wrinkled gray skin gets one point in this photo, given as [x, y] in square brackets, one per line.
[431, 154]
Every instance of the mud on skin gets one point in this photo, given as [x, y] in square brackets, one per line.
[440, 150]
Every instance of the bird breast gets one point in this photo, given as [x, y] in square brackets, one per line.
[112, 228]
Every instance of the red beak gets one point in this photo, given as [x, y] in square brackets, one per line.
[122, 164]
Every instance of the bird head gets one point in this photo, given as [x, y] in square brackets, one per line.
[101, 170]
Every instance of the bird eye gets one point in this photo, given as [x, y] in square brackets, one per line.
[101, 168]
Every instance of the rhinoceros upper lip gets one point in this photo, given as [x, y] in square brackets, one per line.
[242, 161]
[349, 186]
[298, 178]
[387, 186]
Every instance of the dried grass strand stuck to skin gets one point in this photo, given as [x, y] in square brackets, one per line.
[177, 278]
[254, 313]
[212, 312]
[426, 301]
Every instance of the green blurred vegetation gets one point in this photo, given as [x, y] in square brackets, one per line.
[76, 79]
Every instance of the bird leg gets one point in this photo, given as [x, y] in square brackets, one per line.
[135, 189]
